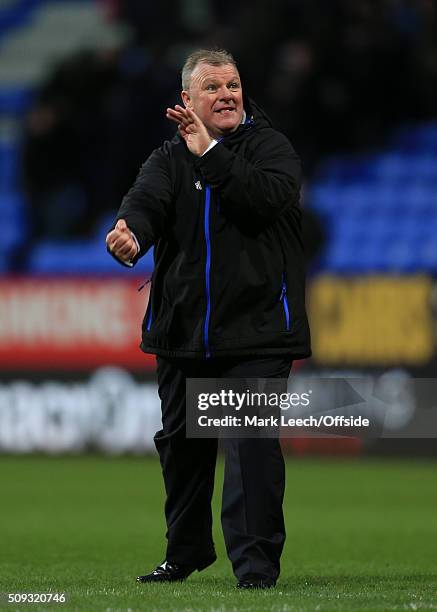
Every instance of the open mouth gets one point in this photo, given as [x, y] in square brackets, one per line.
[225, 111]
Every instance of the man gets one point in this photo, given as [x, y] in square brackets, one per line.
[220, 205]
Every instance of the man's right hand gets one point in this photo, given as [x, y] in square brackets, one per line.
[121, 243]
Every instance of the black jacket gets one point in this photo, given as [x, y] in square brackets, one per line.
[226, 230]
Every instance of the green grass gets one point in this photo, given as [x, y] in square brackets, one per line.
[362, 535]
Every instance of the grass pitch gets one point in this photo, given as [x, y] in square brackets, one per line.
[362, 535]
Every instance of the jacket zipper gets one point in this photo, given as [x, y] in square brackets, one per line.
[207, 272]
[284, 301]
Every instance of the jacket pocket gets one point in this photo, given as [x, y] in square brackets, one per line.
[149, 312]
[284, 301]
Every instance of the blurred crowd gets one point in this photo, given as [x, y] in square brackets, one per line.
[333, 76]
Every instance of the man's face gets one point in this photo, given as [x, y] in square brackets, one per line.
[216, 96]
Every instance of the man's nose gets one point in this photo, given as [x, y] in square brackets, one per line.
[225, 93]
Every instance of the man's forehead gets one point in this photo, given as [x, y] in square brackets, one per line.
[207, 71]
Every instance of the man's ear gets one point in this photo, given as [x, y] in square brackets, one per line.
[186, 99]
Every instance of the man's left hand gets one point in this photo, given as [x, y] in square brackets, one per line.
[191, 128]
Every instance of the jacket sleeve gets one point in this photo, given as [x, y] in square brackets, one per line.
[262, 186]
[146, 206]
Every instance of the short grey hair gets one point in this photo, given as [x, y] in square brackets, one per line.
[214, 57]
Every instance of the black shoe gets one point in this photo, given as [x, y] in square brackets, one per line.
[260, 582]
[173, 572]
[168, 572]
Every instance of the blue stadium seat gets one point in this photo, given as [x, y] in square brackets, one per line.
[324, 197]
[12, 203]
[14, 221]
[81, 257]
[13, 232]
[427, 255]
[401, 258]
[380, 211]
[15, 100]
[13, 16]
[416, 139]
[9, 166]
[4, 263]
[104, 225]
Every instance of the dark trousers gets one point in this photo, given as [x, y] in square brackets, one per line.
[254, 482]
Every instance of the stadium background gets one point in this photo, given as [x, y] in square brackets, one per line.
[83, 89]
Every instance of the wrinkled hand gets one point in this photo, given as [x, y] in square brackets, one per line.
[191, 128]
[121, 243]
